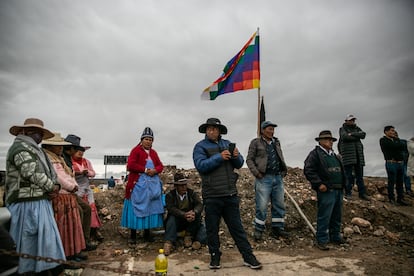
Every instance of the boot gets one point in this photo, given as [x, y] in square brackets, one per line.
[147, 236]
[133, 237]
[279, 232]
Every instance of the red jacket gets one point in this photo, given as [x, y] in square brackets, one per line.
[137, 160]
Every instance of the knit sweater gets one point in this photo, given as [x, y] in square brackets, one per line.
[29, 173]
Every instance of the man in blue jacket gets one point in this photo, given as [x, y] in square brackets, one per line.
[215, 160]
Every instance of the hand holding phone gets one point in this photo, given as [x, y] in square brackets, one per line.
[232, 146]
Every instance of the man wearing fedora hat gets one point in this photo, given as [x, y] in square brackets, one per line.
[30, 181]
[184, 209]
[265, 161]
[215, 160]
[325, 171]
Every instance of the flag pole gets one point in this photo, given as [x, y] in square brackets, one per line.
[258, 112]
[258, 96]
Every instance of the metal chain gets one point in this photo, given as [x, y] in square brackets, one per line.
[72, 263]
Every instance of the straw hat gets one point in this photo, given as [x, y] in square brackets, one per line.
[56, 140]
[30, 123]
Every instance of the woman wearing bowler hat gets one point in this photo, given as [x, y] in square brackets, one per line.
[65, 205]
[143, 208]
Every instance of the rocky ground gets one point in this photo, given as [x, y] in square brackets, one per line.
[380, 235]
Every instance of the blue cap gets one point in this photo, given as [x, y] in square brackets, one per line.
[265, 124]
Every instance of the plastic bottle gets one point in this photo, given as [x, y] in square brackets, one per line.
[161, 264]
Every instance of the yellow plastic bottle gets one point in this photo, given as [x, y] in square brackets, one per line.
[161, 264]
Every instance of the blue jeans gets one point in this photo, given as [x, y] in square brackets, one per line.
[227, 208]
[196, 229]
[407, 180]
[395, 173]
[270, 188]
[359, 174]
[328, 228]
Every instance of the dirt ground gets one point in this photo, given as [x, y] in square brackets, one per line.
[381, 242]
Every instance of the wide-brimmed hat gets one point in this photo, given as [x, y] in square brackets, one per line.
[75, 141]
[56, 140]
[325, 134]
[265, 124]
[179, 179]
[213, 122]
[31, 122]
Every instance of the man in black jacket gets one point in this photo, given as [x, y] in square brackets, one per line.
[325, 171]
[184, 209]
[392, 149]
[352, 152]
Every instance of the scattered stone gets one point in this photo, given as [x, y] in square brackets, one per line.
[348, 231]
[378, 233]
[356, 229]
[361, 222]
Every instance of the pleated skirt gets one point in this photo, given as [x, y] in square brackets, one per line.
[129, 220]
[34, 230]
[69, 223]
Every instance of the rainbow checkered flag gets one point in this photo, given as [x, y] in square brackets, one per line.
[242, 72]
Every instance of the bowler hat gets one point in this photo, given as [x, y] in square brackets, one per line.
[75, 141]
[147, 133]
[325, 134]
[212, 122]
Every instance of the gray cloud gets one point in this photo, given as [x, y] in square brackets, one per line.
[105, 70]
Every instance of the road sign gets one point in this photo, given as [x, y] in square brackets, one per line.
[115, 159]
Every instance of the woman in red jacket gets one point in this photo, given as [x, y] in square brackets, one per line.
[143, 208]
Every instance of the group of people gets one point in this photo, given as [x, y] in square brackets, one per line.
[47, 192]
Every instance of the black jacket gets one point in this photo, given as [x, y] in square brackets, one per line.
[316, 169]
[350, 146]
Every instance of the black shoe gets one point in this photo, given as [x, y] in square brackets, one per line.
[410, 193]
[252, 262]
[147, 236]
[392, 201]
[132, 241]
[215, 261]
[365, 197]
[90, 246]
[257, 235]
[402, 202]
[82, 255]
[322, 246]
[279, 232]
[340, 242]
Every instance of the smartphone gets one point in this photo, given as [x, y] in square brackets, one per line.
[232, 146]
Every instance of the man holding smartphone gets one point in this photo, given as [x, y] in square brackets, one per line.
[215, 160]
[265, 161]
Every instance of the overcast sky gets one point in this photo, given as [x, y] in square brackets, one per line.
[105, 70]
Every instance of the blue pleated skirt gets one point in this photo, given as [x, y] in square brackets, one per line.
[129, 220]
[34, 230]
